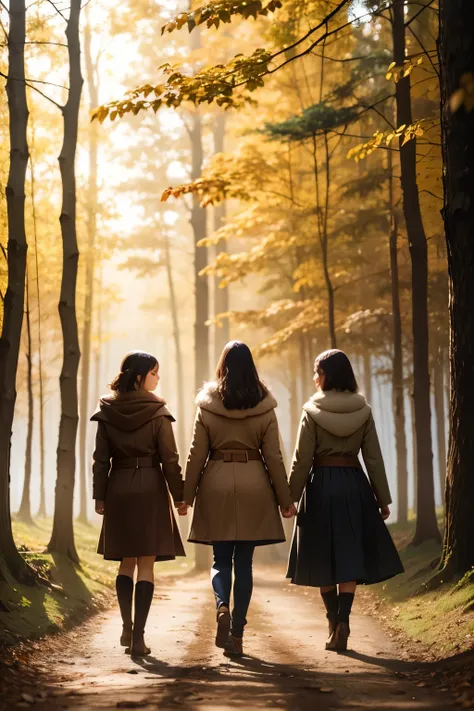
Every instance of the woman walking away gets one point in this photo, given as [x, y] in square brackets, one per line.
[135, 458]
[236, 474]
[340, 537]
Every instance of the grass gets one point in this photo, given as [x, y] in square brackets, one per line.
[76, 592]
[442, 620]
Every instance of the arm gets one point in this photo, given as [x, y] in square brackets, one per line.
[303, 456]
[169, 457]
[373, 460]
[100, 463]
[197, 458]
[271, 452]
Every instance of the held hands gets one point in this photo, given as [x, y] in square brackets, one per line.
[288, 512]
[182, 508]
[99, 507]
[385, 512]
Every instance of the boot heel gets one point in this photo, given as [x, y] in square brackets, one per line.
[341, 636]
[223, 627]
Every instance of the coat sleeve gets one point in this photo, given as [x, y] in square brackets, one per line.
[271, 453]
[374, 463]
[303, 456]
[169, 457]
[197, 458]
[100, 463]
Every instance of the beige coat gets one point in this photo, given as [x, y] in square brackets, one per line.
[235, 501]
[338, 423]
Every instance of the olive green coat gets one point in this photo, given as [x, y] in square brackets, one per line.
[139, 518]
[235, 501]
[338, 423]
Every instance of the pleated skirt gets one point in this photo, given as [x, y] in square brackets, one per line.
[339, 535]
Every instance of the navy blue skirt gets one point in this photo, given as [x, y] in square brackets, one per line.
[339, 534]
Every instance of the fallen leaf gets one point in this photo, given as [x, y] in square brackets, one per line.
[326, 690]
[28, 698]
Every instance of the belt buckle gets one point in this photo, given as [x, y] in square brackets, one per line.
[246, 456]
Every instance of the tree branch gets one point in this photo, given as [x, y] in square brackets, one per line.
[423, 8]
[57, 9]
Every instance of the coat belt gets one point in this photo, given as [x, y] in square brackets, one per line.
[337, 461]
[237, 455]
[134, 462]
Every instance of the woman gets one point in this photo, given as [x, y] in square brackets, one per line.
[135, 458]
[340, 538]
[236, 475]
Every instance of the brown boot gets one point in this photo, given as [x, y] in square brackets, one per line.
[124, 588]
[341, 636]
[143, 598]
[234, 646]
[139, 648]
[223, 626]
[331, 640]
[126, 636]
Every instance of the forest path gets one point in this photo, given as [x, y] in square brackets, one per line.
[285, 667]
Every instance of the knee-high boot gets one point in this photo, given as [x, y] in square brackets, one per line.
[143, 597]
[124, 588]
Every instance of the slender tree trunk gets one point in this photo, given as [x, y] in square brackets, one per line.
[414, 452]
[99, 335]
[426, 524]
[180, 417]
[294, 404]
[367, 365]
[440, 412]
[398, 399]
[42, 503]
[62, 537]
[221, 295]
[24, 512]
[456, 56]
[91, 224]
[15, 296]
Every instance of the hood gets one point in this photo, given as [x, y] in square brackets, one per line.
[130, 411]
[340, 413]
[209, 399]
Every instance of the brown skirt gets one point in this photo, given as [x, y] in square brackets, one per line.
[139, 519]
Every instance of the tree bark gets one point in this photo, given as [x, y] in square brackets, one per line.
[398, 400]
[221, 295]
[24, 512]
[91, 225]
[42, 503]
[456, 56]
[440, 413]
[15, 296]
[62, 537]
[426, 524]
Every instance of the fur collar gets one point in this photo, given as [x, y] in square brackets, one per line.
[209, 399]
[129, 411]
[340, 413]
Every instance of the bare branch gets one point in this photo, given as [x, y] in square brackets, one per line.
[423, 8]
[57, 9]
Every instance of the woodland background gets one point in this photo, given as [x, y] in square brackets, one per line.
[305, 143]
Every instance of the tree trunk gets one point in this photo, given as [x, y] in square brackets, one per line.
[426, 524]
[456, 55]
[440, 412]
[180, 416]
[414, 453]
[24, 512]
[15, 296]
[398, 400]
[62, 537]
[367, 375]
[221, 296]
[42, 503]
[91, 224]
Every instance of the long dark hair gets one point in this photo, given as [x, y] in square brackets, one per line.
[238, 383]
[337, 369]
[136, 363]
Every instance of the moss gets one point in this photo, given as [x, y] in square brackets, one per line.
[443, 618]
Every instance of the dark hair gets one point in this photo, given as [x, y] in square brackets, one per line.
[136, 363]
[238, 383]
[337, 369]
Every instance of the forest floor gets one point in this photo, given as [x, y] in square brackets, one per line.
[410, 648]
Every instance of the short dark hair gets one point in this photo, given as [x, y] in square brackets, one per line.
[337, 369]
[136, 363]
[238, 383]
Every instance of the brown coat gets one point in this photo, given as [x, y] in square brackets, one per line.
[139, 519]
[338, 423]
[235, 501]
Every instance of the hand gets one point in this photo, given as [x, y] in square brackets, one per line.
[182, 508]
[288, 512]
[99, 507]
[385, 512]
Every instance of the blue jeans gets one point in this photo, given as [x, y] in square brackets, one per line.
[240, 554]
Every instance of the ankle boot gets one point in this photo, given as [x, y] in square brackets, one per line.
[223, 626]
[234, 646]
[143, 597]
[331, 604]
[124, 588]
[343, 630]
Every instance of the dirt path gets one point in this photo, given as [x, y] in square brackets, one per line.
[285, 667]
